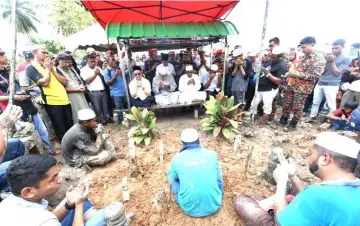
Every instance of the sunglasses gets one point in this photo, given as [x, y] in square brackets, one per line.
[137, 73]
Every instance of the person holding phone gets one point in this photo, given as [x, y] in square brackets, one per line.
[269, 81]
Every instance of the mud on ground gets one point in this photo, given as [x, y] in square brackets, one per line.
[151, 178]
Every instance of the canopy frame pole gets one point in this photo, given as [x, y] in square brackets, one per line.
[210, 61]
[123, 75]
[258, 66]
[13, 56]
[224, 69]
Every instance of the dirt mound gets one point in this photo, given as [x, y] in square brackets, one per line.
[151, 178]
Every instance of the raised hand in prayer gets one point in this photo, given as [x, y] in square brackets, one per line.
[281, 175]
[100, 129]
[48, 64]
[77, 195]
[10, 116]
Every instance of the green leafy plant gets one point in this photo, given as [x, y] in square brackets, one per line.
[220, 116]
[143, 131]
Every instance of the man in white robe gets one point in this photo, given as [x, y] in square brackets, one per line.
[189, 87]
[164, 86]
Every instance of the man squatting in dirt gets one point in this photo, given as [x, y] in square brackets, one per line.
[196, 177]
[333, 159]
[85, 144]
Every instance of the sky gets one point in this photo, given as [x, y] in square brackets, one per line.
[290, 20]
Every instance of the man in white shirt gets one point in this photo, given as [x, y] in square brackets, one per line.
[32, 178]
[140, 91]
[212, 81]
[97, 93]
[165, 64]
[189, 87]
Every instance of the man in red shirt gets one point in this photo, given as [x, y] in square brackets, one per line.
[28, 58]
[340, 118]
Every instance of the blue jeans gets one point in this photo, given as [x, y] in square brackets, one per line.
[42, 131]
[98, 219]
[15, 148]
[120, 103]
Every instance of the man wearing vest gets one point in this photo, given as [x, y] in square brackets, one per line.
[53, 93]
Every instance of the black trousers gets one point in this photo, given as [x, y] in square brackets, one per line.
[249, 95]
[100, 103]
[146, 103]
[61, 118]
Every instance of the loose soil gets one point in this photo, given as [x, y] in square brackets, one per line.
[106, 187]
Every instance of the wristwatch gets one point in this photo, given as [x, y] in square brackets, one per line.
[69, 207]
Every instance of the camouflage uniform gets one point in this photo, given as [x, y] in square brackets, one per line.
[310, 67]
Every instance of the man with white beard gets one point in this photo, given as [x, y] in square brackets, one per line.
[189, 87]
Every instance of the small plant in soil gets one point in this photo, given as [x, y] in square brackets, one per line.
[220, 117]
[144, 130]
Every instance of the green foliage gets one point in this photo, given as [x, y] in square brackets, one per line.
[70, 17]
[220, 117]
[143, 131]
[52, 46]
[26, 16]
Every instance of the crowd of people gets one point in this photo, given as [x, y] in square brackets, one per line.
[71, 105]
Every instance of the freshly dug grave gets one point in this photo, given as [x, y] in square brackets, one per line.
[253, 152]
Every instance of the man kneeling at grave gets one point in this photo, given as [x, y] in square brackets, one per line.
[333, 159]
[32, 178]
[196, 177]
[85, 144]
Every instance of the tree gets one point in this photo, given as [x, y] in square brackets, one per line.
[69, 17]
[26, 17]
[53, 47]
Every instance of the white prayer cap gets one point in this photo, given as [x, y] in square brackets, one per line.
[86, 114]
[90, 50]
[277, 50]
[214, 67]
[163, 70]
[252, 54]
[201, 49]
[237, 52]
[189, 68]
[339, 144]
[189, 135]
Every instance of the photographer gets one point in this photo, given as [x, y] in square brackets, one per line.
[21, 99]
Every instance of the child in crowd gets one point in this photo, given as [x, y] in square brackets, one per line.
[340, 118]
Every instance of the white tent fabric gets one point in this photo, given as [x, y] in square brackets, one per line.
[93, 35]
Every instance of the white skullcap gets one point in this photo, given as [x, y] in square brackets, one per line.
[214, 67]
[189, 135]
[90, 50]
[237, 52]
[277, 50]
[201, 49]
[86, 114]
[345, 86]
[252, 54]
[189, 68]
[339, 144]
[163, 70]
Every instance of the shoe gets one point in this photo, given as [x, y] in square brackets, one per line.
[310, 120]
[110, 121]
[283, 121]
[291, 126]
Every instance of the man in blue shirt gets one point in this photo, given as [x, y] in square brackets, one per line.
[333, 159]
[196, 177]
[328, 84]
[114, 79]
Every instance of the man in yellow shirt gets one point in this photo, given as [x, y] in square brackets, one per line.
[53, 93]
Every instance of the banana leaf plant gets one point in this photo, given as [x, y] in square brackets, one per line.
[144, 130]
[220, 117]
